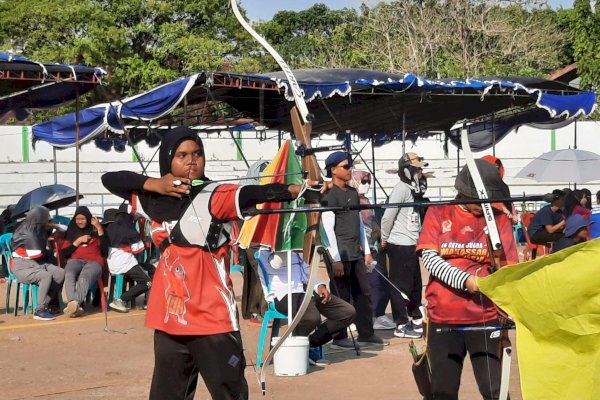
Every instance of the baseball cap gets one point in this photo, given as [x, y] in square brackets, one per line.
[494, 185]
[333, 160]
[574, 223]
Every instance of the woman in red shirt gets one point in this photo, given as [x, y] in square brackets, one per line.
[85, 246]
[192, 307]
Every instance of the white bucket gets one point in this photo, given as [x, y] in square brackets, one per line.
[291, 359]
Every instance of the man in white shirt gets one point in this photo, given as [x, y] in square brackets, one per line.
[274, 278]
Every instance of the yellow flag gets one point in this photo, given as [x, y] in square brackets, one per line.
[555, 302]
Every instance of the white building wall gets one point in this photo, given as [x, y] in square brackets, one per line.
[516, 150]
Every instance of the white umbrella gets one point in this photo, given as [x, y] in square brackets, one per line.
[569, 165]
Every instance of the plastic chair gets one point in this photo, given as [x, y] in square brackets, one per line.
[28, 289]
[531, 249]
[270, 315]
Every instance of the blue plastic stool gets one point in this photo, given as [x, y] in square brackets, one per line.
[271, 315]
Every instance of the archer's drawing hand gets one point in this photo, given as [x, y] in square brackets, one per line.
[168, 185]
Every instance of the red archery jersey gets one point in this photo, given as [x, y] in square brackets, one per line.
[192, 293]
[459, 237]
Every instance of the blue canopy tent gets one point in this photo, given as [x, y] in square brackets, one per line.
[367, 103]
[370, 104]
[26, 84]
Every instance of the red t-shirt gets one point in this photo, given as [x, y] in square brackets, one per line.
[459, 237]
[90, 252]
[192, 293]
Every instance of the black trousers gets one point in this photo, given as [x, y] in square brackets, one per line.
[253, 299]
[339, 314]
[142, 278]
[218, 358]
[542, 236]
[380, 288]
[405, 273]
[446, 352]
[354, 288]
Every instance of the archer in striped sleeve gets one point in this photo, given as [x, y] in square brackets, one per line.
[453, 245]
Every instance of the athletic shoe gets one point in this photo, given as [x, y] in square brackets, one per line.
[374, 339]
[383, 323]
[71, 308]
[406, 331]
[417, 325]
[43, 315]
[79, 312]
[343, 344]
[314, 358]
[119, 305]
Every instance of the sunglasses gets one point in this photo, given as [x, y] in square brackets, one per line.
[346, 167]
[365, 180]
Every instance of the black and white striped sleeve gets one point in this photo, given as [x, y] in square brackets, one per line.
[443, 270]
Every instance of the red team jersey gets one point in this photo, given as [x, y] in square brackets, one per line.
[192, 293]
[458, 236]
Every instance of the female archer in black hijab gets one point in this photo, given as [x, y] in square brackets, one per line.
[192, 307]
[85, 247]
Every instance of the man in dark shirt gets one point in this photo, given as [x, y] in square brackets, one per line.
[548, 224]
[349, 250]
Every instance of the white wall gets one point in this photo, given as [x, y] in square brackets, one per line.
[516, 150]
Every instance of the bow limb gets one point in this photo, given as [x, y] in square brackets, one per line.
[494, 247]
[302, 129]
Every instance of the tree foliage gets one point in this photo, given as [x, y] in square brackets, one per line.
[143, 43]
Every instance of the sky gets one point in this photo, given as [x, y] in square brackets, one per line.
[265, 9]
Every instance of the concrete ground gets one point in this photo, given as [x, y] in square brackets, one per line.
[79, 359]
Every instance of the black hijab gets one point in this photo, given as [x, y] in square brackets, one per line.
[165, 208]
[121, 231]
[32, 233]
[74, 232]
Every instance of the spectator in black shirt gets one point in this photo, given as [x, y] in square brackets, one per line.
[349, 250]
[548, 224]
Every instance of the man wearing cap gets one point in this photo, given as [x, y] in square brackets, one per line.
[576, 231]
[454, 247]
[400, 229]
[349, 250]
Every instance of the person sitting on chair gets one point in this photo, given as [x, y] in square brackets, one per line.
[548, 224]
[32, 259]
[125, 242]
[339, 313]
[85, 247]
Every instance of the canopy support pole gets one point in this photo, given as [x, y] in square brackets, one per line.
[76, 146]
[373, 161]
[403, 132]
[494, 134]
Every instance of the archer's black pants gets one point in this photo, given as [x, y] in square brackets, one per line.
[218, 358]
[354, 288]
[446, 352]
[405, 274]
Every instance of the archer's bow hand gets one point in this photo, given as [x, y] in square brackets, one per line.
[168, 185]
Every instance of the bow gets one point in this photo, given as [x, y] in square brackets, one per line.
[495, 246]
[301, 122]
